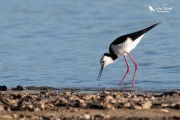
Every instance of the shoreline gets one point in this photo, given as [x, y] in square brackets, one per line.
[71, 104]
[83, 90]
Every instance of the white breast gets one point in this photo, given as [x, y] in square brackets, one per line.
[126, 47]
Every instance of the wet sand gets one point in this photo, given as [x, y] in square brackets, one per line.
[46, 104]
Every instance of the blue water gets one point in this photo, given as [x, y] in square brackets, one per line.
[59, 43]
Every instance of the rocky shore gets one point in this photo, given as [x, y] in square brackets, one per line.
[68, 105]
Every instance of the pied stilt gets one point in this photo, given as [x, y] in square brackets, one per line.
[122, 46]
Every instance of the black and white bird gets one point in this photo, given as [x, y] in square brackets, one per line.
[122, 46]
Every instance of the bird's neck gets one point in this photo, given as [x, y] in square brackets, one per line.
[112, 55]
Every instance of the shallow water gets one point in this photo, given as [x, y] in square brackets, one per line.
[59, 44]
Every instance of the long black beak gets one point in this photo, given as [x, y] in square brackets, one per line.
[100, 72]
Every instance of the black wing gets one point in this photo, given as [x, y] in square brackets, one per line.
[133, 36]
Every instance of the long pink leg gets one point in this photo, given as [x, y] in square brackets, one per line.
[128, 69]
[136, 67]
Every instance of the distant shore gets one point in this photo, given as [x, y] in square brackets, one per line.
[48, 104]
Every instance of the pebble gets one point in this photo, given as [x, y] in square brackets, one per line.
[1, 108]
[8, 109]
[176, 105]
[146, 99]
[152, 98]
[97, 97]
[86, 97]
[104, 116]
[62, 101]
[7, 117]
[108, 98]
[74, 110]
[164, 105]
[86, 116]
[71, 98]
[108, 106]
[113, 101]
[68, 93]
[101, 117]
[127, 105]
[136, 99]
[106, 92]
[22, 118]
[57, 119]
[117, 96]
[36, 109]
[83, 105]
[30, 107]
[34, 117]
[164, 110]
[147, 105]
[136, 107]
[15, 115]
[81, 100]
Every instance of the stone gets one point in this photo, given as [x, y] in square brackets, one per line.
[68, 93]
[19, 88]
[104, 116]
[127, 105]
[146, 99]
[36, 109]
[71, 98]
[62, 101]
[136, 107]
[106, 92]
[86, 97]
[100, 117]
[108, 106]
[147, 105]
[81, 101]
[129, 95]
[134, 96]
[136, 99]
[118, 96]
[30, 107]
[176, 105]
[97, 97]
[164, 105]
[164, 110]
[152, 98]
[13, 103]
[74, 110]
[108, 98]
[15, 115]
[83, 105]
[86, 116]
[113, 101]
[22, 118]
[7, 117]
[8, 109]
[57, 119]
[3, 88]
[34, 117]
[1, 108]
[41, 118]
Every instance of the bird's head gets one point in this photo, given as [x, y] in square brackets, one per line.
[105, 60]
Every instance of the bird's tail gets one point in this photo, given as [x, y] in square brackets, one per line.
[149, 28]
